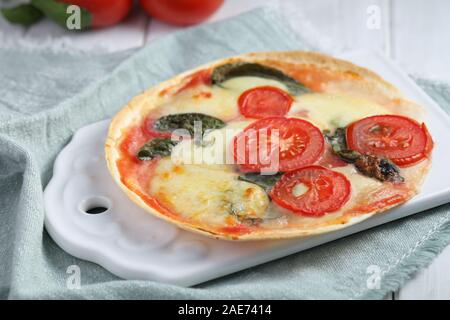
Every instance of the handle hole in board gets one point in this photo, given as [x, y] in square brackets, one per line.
[95, 205]
[96, 210]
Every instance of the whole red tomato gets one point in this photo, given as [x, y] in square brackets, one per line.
[104, 12]
[181, 12]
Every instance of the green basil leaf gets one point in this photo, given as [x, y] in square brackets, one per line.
[241, 69]
[187, 121]
[161, 147]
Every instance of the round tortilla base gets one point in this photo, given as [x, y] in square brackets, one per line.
[142, 104]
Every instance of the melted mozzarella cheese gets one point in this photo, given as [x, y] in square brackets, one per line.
[210, 194]
[240, 84]
[215, 147]
[217, 101]
[329, 111]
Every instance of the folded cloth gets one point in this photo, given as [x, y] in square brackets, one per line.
[45, 97]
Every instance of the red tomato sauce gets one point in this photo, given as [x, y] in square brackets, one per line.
[196, 79]
[133, 170]
[378, 205]
[310, 76]
[238, 229]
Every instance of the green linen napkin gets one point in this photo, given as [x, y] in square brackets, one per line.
[45, 97]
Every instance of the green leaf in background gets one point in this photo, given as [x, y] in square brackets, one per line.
[24, 14]
[57, 11]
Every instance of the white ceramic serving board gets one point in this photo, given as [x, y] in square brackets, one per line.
[135, 245]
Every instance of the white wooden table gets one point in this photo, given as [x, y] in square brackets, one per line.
[414, 33]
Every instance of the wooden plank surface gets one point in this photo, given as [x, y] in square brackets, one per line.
[129, 34]
[430, 283]
[421, 37]
[414, 33]
[421, 45]
[349, 24]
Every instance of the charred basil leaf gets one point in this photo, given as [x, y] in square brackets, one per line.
[187, 121]
[378, 168]
[157, 147]
[371, 166]
[241, 69]
[264, 181]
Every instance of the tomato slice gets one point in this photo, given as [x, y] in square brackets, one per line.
[325, 191]
[398, 138]
[430, 142]
[299, 144]
[263, 102]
